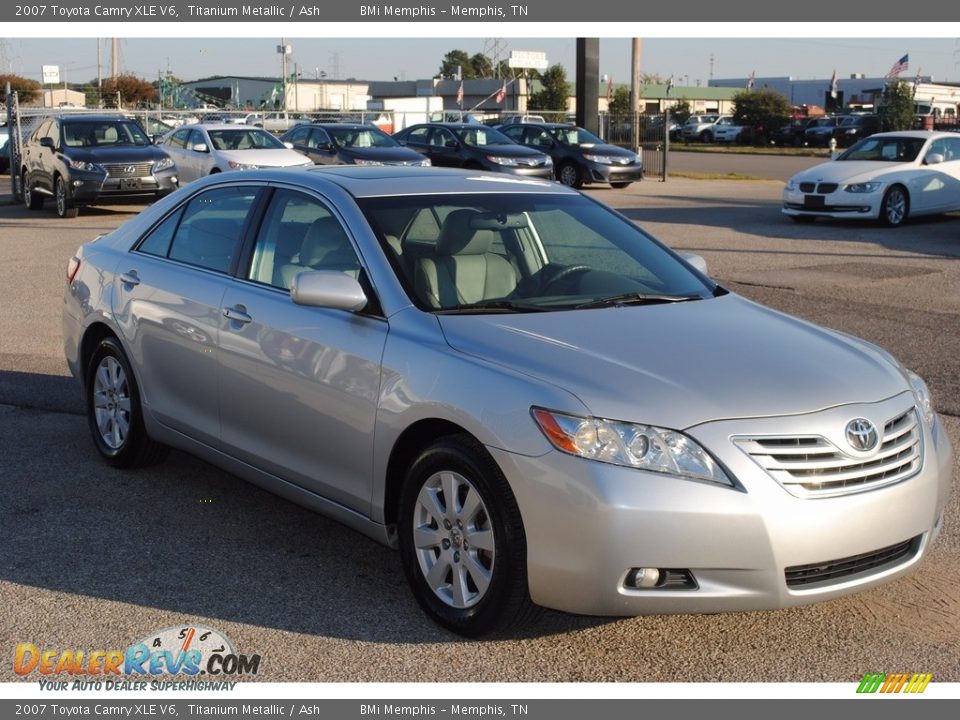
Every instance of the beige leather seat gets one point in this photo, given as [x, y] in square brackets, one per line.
[463, 270]
[325, 247]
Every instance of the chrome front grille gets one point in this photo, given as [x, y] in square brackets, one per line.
[129, 170]
[812, 466]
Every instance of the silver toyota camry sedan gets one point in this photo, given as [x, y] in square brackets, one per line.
[533, 400]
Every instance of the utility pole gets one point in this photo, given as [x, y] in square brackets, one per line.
[635, 94]
[114, 57]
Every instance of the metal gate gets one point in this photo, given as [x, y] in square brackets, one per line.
[647, 135]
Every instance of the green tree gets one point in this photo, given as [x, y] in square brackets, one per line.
[452, 61]
[681, 111]
[27, 90]
[620, 104]
[481, 66]
[896, 109]
[761, 110]
[555, 91]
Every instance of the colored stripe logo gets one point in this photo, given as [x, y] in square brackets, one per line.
[894, 683]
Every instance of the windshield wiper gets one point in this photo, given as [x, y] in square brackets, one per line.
[635, 298]
[494, 305]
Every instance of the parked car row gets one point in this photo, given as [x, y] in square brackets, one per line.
[818, 131]
[88, 159]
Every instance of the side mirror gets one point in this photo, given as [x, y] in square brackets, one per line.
[933, 159]
[695, 261]
[288, 145]
[452, 144]
[328, 289]
[47, 142]
[201, 148]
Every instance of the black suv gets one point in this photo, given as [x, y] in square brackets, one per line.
[579, 156]
[855, 127]
[475, 146]
[92, 159]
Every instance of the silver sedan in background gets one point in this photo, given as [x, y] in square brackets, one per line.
[536, 402]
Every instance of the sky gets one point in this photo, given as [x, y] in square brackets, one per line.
[690, 60]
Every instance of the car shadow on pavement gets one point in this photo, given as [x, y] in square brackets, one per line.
[189, 539]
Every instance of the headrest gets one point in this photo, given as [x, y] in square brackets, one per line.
[458, 236]
[323, 237]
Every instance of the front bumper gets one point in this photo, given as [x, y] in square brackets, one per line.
[600, 172]
[838, 204]
[89, 188]
[589, 524]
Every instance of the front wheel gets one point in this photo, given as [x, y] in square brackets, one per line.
[462, 540]
[113, 410]
[895, 207]
[570, 175]
[32, 200]
[65, 207]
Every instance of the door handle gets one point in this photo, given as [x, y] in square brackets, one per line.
[130, 278]
[238, 313]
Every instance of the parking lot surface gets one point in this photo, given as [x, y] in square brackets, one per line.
[97, 558]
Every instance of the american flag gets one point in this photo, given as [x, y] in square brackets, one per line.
[899, 66]
[460, 94]
[502, 92]
[833, 85]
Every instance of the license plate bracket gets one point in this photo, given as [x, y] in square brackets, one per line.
[130, 183]
[813, 201]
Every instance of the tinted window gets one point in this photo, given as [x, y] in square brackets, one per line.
[179, 138]
[299, 135]
[209, 234]
[418, 135]
[158, 241]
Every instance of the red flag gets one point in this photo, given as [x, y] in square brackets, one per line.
[502, 92]
[460, 94]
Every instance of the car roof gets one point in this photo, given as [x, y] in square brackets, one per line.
[340, 126]
[921, 134]
[389, 180]
[451, 126]
[103, 117]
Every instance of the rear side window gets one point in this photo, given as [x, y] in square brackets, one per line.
[207, 232]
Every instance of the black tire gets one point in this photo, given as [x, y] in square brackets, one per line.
[706, 136]
[32, 200]
[805, 219]
[114, 414]
[65, 206]
[485, 548]
[895, 207]
[569, 174]
[619, 185]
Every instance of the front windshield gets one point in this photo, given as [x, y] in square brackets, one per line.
[885, 149]
[362, 138]
[243, 139]
[482, 136]
[103, 133]
[576, 137]
[524, 252]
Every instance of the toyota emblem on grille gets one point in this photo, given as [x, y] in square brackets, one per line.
[862, 434]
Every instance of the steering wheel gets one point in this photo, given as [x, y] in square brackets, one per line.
[564, 274]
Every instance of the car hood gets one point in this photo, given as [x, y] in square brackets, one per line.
[605, 149]
[683, 364]
[118, 154]
[280, 157]
[840, 171]
[504, 150]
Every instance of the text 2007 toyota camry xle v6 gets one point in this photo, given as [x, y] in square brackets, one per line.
[534, 401]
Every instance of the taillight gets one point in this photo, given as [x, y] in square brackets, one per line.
[73, 266]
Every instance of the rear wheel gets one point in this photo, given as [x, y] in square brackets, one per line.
[113, 410]
[65, 207]
[706, 136]
[895, 207]
[462, 540]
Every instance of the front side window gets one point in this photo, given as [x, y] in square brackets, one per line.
[298, 234]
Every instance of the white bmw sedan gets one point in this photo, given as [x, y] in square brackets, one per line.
[206, 149]
[889, 176]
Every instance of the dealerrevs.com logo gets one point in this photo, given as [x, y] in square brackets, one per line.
[894, 682]
[190, 650]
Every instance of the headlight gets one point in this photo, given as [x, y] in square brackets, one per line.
[164, 164]
[499, 160]
[424, 163]
[864, 187]
[548, 161]
[86, 166]
[240, 166]
[922, 393]
[790, 186]
[358, 161]
[638, 446]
